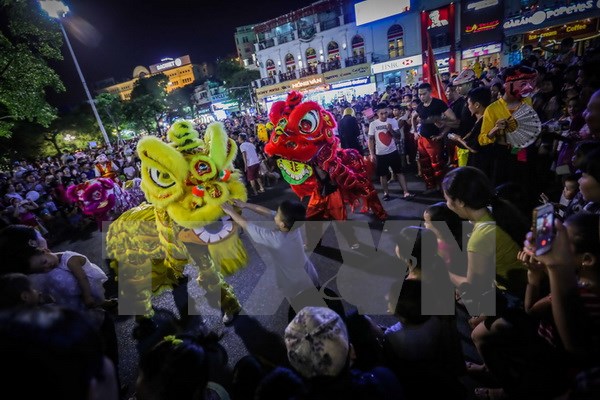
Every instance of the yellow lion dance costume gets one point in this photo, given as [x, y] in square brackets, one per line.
[185, 182]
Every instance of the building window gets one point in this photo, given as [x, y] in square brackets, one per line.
[395, 41]
[270, 65]
[333, 51]
[311, 56]
[358, 46]
[245, 39]
[290, 62]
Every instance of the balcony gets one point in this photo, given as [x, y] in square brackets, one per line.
[329, 24]
[310, 70]
[265, 44]
[355, 60]
[288, 37]
[268, 81]
[287, 76]
[331, 65]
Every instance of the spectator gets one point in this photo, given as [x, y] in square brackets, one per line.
[349, 131]
[383, 150]
[436, 120]
[251, 163]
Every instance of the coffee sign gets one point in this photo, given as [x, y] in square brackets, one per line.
[562, 31]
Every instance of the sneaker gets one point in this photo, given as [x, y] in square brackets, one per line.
[355, 246]
[261, 190]
[386, 197]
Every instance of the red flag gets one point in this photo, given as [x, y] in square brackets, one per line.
[437, 88]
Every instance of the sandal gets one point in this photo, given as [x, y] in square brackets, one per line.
[490, 394]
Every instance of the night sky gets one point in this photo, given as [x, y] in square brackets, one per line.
[111, 37]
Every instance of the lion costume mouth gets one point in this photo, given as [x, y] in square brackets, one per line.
[211, 233]
[294, 173]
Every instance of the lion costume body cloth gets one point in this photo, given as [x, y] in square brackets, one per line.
[185, 182]
[312, 162]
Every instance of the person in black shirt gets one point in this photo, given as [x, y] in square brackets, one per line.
[436, 120]
[479, 156]
[349, 131]
[462, 84]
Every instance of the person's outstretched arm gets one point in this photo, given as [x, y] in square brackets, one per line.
[264, 211]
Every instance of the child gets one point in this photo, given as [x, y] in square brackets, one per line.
[286, 248]
[68, 277]
[16, 290]
[447, 227]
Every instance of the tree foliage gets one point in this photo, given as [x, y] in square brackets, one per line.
[28, 39]
[180, 102]
[111, 110]
[148, 103]
[240, 85]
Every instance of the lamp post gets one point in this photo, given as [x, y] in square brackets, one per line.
[57, 9]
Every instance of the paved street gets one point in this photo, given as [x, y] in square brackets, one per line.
[240, 338]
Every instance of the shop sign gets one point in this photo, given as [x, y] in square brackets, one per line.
[482, 51]
[271, 90]
[563, 31]
[168, 64]
[304, 83]
[481, 22]
[482, 27]
[374, 10]
[439, 24]
[401, 63]
[438, 18]
[541, 16]
[481, 4]
[355, 71]
[443, 62]
[353, 82]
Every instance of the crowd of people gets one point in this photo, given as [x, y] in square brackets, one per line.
[535, 316]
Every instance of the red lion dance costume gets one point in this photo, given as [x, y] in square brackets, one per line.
[313, 163]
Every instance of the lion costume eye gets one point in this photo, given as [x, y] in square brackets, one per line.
[161, 179]
[309, 123]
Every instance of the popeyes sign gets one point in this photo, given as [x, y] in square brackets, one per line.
[539, 17]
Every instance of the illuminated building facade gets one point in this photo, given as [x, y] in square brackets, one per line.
[179, 71]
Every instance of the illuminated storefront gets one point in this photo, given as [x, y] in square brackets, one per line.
[481, 32]
[179, 71]
[549, 23]
[323, 88]
[399, 72]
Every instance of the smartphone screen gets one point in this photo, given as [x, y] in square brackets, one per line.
[544, 228]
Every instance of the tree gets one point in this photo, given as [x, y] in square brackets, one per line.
[227, 68]
[240, 85]
[180, 102]
[148, 103]
[28, 39]
[111, 110]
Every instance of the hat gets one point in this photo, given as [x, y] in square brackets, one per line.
[465, 76]
[317, 342]
[101, 158]
[349, 111]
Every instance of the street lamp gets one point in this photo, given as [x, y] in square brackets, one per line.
[57, 9]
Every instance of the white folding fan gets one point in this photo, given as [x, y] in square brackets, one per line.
[523, 127]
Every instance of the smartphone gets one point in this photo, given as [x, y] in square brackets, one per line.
[543, 223]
